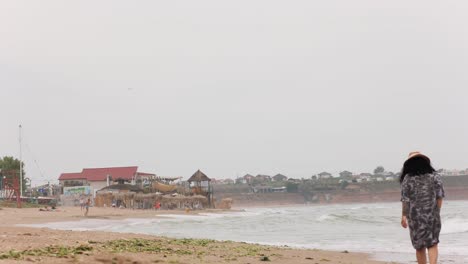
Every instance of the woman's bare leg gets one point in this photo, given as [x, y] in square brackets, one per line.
[433, 254]
[421, 255]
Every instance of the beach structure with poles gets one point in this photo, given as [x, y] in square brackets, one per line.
[200, 184]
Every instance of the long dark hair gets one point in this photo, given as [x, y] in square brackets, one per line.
[416, 166]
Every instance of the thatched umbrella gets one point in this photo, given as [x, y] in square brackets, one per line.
[199, 176]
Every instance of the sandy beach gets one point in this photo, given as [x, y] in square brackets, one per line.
[42, 245]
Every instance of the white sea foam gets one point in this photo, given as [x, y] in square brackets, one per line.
[363, 228]
[326, 217]
[455, 225]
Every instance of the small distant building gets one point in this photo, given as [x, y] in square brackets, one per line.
[363, 177]
[324, 175]
[248, 179]
[279, 177]
[294, 180]
[346, 174]
[240, 181]
[263, 178]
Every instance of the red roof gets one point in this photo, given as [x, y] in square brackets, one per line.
[100, 174]
[71, 176]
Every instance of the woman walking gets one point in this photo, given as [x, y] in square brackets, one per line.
[421, 195]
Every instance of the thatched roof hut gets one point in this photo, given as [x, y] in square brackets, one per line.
[201, 185]
[199, 177]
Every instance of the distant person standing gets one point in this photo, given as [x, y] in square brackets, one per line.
[87, 204]
[157, 205]
[82, 203]
[422, 192]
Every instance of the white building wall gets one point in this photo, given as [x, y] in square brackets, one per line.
[97, 185]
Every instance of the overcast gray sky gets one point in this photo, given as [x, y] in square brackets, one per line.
[233, 87]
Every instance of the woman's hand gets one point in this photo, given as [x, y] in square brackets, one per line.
[439, 203]
[404, 222]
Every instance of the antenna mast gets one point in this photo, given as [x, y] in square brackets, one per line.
[21, 163]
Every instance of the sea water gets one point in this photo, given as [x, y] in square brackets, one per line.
[370, 228]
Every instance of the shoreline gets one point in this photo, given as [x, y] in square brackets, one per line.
[14, 237]
[237, 207]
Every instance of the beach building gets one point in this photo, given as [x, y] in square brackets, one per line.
[279, 177]
[364, 177]
[200, 184]
[248, 179]
[294, 180]
[346, 175]
[72, 179]
[98, 178]
[262, 178]
[324, 175]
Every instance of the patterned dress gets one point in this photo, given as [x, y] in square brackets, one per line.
[421, 193]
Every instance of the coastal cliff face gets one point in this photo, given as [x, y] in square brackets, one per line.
[456, 189]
